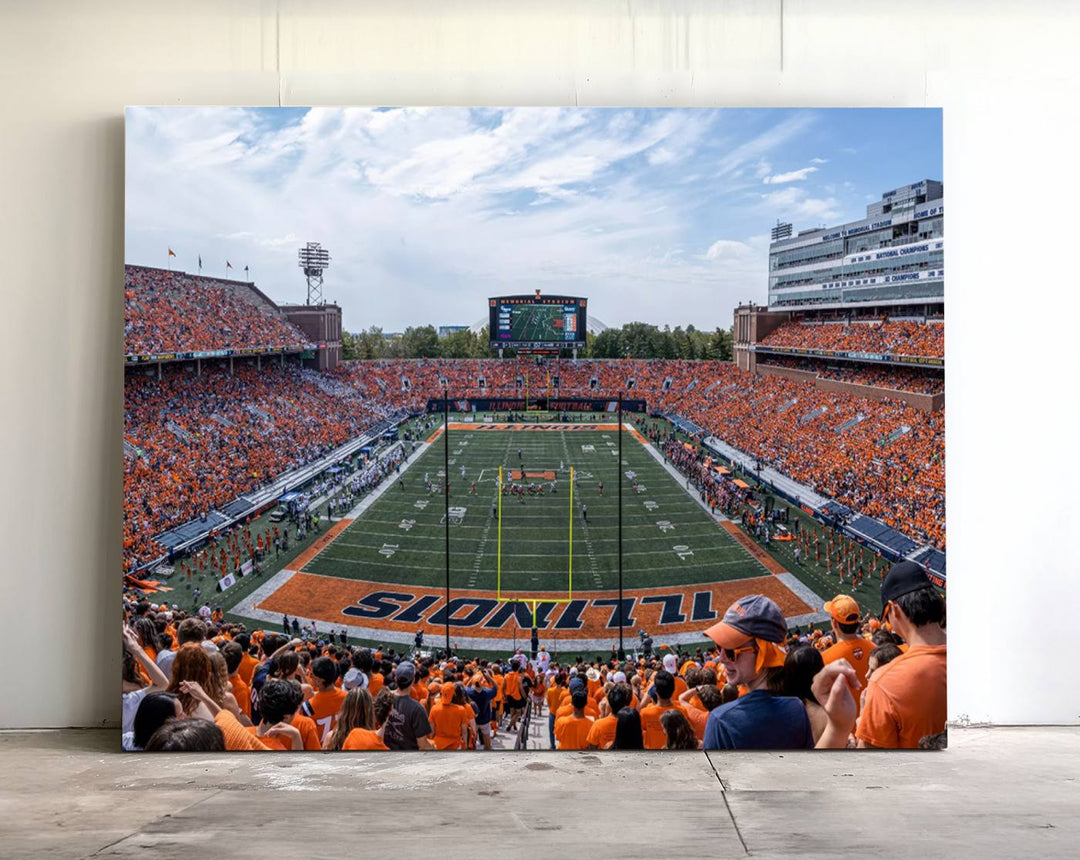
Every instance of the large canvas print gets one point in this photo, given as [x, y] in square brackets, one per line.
[530, 428]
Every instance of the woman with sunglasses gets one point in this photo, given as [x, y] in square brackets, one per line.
[750, 638]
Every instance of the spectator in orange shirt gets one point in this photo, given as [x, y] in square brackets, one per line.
[555, 695]
[356, 725]
[671, 664]
[515, 700]
[653, 735]
[844, 615]
[602, 734]
[905, 699]
[572, 732]
[326, 704]
[247, 663]
[449, 720]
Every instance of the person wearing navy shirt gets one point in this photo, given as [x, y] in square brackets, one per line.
[749, 638]
[482, 691]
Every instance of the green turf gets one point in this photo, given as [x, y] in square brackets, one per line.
[640, 532]
[668, 539]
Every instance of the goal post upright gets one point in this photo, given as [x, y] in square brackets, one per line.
[528, 599]
[570, 566]
[498, 552]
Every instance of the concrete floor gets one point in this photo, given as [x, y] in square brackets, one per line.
[1003, 792]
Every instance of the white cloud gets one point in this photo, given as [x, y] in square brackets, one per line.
[819, 161]
[426, 212]
[765, 142]
[791, 176]
[727, 249]
[660, 155]
[795, 204]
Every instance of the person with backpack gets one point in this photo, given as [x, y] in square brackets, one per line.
[407, 726]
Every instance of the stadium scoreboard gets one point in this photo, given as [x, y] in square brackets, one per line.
[537, 322]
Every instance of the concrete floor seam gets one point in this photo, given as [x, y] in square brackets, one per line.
[156, 821]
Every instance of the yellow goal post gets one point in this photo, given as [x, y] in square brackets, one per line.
[534, 600]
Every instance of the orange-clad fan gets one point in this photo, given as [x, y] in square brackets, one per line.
[653, 734]
[845, 617]
[905, 699]
[572, 731]
[323, 707]
[450, 720]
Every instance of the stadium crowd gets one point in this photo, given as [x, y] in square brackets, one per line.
[198, 684]
[900, 337]
[917, 380]
[173, 312]
[196, 442]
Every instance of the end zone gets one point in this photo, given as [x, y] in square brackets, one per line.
[384, 612]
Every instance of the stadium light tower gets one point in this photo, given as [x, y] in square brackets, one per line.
[313, 259]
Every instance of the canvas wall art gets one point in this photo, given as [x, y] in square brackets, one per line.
[530, 428]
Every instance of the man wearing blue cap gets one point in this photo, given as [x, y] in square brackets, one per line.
[407, 726]
[749, 638]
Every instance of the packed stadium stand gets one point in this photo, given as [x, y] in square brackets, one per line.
[906, 338]
[195, 442]
[174, 312]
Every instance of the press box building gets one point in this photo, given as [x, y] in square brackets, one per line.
[888, 264]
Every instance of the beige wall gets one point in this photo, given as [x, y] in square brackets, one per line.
[1006, 78]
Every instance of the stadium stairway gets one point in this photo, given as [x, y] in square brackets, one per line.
[535, 738]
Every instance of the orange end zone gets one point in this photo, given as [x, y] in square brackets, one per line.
[547, 475]
[319, 545]
[434, 436]
[638, 436]
[477, 613]
[746, 542]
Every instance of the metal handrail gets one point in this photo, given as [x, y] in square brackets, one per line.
[523, 729]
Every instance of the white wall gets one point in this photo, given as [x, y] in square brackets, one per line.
[1003, 73]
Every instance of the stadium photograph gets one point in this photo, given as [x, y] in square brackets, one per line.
[496, 429]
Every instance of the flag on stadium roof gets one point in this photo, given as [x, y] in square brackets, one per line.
[172, 253]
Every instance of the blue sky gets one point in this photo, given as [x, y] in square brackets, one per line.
[657, 215]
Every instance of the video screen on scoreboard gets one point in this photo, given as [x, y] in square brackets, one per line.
[541, 322]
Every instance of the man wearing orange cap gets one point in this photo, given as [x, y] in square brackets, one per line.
[850, 646]
[449, 721]
[749, 638]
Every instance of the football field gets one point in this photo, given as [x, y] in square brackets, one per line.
[552, 548]
[668, 539]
